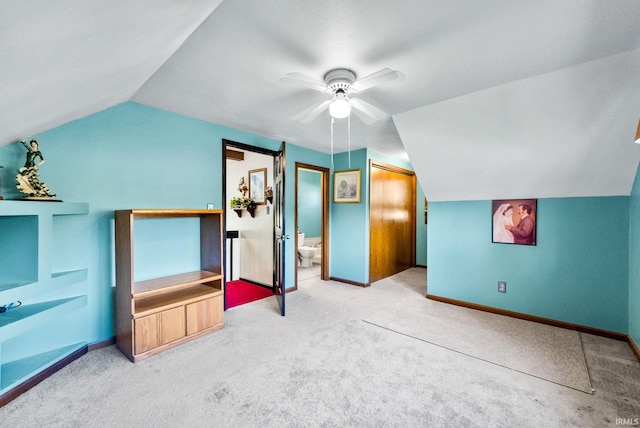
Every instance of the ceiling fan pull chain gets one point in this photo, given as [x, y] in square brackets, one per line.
[332, 120]
[349, 139]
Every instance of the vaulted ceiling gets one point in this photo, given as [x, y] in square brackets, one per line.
[500, 98]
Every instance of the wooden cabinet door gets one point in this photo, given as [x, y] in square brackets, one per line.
[145, 332]
[172, 325]
[204, 314]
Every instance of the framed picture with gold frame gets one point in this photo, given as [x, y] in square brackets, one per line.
[257, 185]
[346, 186]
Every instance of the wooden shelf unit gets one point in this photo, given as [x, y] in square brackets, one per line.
[160, 313]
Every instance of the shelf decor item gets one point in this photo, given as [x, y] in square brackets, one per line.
[240, 203]
[268, 194]
[28, 178]
[242, 187]
[251, 208]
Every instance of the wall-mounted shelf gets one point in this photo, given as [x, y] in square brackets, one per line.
[29, 316]
[43, 265]
[19, 371]
[162, 312]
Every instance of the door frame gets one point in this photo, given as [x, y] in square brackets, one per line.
[324, 233]
[245, 147]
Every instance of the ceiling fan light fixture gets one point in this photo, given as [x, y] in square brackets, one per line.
[340, 107]
[343, 87]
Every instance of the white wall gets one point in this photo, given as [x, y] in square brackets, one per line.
[253, 250]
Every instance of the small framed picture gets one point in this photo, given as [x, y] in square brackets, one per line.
[346, 186]
[514, 221]
[257, 185]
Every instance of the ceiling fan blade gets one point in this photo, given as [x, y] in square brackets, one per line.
[312, 112]
[305, 81]
[379, 77]
[367, 112]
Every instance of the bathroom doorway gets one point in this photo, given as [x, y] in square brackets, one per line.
[312, 222]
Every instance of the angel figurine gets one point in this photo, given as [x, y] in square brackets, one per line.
[242, 187]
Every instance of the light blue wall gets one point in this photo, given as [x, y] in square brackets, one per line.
[134, 156]
[634, 261]
[577, 272]
[310, 203]
[349, 226]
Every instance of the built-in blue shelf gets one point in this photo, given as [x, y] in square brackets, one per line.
[26, 208]
[43, 259]
[25, 290]
[70, 276]
[13, 285]
[16, 372]
[26, 317]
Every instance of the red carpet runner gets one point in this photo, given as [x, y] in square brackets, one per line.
[240, 292]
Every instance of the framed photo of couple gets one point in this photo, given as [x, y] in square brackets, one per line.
[514, 221]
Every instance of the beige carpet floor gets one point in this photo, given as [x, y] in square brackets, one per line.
[549, 353]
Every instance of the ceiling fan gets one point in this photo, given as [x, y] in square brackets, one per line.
[341, 84]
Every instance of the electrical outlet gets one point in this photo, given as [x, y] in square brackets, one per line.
[209, 206]
[502, 287]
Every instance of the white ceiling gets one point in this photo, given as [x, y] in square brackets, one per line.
[501, 98]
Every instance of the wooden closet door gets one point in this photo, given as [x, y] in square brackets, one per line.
[392, 220]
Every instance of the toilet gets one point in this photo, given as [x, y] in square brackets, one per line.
[300, 244]
[306, 255]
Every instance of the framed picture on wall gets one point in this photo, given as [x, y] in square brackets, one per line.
[514, 221]
[346, 186]
[257, 183]
[426, 211]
